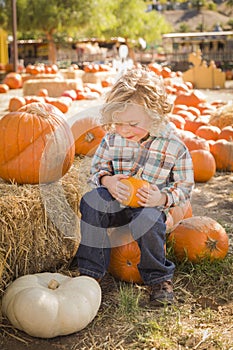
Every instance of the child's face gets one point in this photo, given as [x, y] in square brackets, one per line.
[133, 123]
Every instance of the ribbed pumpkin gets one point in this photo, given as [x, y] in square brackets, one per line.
[134, 184]
[199, 237]
[222, 151]
[36, 145]
[125, 256]
[87, 133]
[204, 165]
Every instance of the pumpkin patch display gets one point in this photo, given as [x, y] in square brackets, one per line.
[36, 145]
[133, 184]
[199, 237]
[47, 305]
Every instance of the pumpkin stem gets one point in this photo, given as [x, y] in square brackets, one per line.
[38, 109]
[89, 137]
[138, 175]
[53, 284]
[211, 244]
[129, 263]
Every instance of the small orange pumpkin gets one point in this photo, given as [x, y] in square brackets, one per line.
[134, 184]
[36, 145]
[125, 256]
[199, 237]
[13, 80]
[88, 134]
[4, 88]
[192, 98]
[16, 102]
[204, 165]
[181, 212]
[208, 132]
[196, 142]
[226, 133]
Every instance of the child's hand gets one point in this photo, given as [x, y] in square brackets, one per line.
[150, 197]
[117, 189]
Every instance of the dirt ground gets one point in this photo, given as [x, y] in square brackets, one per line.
[213, 199]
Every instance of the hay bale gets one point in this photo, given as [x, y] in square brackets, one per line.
[98, 77]
[39, 225]
[55, 87]
[71, 74]
[223, 116]
[27, 76]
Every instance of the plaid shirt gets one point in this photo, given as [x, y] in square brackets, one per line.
[163, 160]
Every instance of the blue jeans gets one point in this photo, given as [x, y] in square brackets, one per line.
[101, 211]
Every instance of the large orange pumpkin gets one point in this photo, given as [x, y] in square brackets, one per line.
[125, 256]
[134, 184]
[87, 133]
[199, 237]
[222, 151]
[204, 165]
[36, 145]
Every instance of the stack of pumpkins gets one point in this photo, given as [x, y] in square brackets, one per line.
[210, 145]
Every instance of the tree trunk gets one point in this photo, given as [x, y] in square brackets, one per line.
[52, 48]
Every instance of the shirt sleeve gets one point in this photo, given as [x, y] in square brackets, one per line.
[101, 163]
[181, 183]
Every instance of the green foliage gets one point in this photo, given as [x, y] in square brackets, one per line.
[184, 28]
[230, 23]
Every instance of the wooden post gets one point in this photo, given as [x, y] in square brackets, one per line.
[14, 30]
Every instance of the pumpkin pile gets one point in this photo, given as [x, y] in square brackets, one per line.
[86, 91]
[210, 145]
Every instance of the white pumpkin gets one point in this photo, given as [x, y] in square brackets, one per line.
[47, 304]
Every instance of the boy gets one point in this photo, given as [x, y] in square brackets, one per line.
[139, 138]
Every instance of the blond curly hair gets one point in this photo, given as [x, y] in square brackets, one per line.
[141, 87]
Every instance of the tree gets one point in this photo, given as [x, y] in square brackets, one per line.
[229, 3]
[50, 17]
[127, 19]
